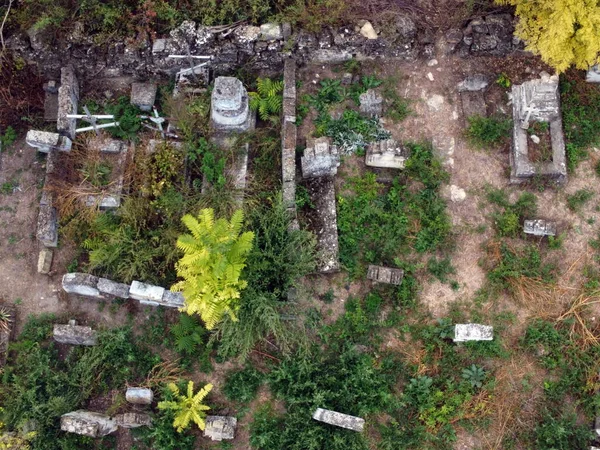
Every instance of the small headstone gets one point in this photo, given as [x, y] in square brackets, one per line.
[371, 103]
[81, 284]
[87, 423]
[68, 99]
[143, 95]
[339, 419]
[320, 158]
[457, 194]
[45, 261]
[133, 420]
[464, 332]
[386, 275]
[112, 288]
[539, 227]
[386, 154]
[46, 141]
[139, 396]
[74, 334]
[220, 427]
[159, 45]
[146, 293]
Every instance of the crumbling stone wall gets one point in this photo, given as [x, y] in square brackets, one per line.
[289, 136]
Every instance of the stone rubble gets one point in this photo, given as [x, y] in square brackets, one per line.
[219, 428]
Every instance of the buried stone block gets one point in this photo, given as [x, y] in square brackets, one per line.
[386, 154]
[143, 95]
[320, 159]
[87, 423]
[539, 227]
[386, 275]
[112, 288]
[68, 99]
[45, 141]
[47, 226]
[74, 334]
[81, 284]
[146, 293]
[139, 396]
[371, 103]
[464, 332]
[230, 109]
[339, 419]
[133, 420]
[220, 427]
[45, 261]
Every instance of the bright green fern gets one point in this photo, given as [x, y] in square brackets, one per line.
[267, 99]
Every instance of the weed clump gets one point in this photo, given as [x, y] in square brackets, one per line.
[488, 132]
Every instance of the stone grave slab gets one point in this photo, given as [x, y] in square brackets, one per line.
[81, 284]
[143, 95]
[87, 423]
[146, 293]
[339, 419]
[539, 227]
[133, 420]
[385, 275]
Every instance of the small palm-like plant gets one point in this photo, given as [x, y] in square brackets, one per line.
[267, 99]
[187, 407]
[5, 320]
[474, 375]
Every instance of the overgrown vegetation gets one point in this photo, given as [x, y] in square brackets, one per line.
[508, 218]
[488, 132]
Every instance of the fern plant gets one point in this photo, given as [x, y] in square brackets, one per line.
[187, 407]
[214, 256]
[188, 334]
[267, 99]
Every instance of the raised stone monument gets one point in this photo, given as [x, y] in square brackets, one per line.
[87, 423]
[339, 419]
[45, 141]
[537, 101]
[220, 427]
[464, 332]
[230, 108]
[320, 159]
[74, 334]
[386, 275]
[386, 154]
[143, 95]
[539, 227]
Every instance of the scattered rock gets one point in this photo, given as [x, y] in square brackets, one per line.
[368, 31]
[432, 62]
[535, 139]
[457, 194]
[430, 76]
[45, 261]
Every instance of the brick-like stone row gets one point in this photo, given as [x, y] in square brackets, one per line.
[87, 285]
[289, 136]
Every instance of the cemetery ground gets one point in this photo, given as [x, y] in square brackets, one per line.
[450, 220]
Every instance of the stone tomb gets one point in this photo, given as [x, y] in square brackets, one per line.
[339, 419]
[45, 141]
[320, 158]
[230, 108]
[539, 227]
[220, 427]
[537, 101]
[386, 154]
[464, 332]
[87, 423]
[385, 275]
[74, 334]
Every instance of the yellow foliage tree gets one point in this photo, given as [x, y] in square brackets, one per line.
[562, 32]
[214, 256]
[187, 407]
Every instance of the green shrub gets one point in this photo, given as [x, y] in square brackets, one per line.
[267, 99]
[441, 268]
[242, 385]
[510, 217]
[8, 138]
[576, 201]
[488, 132]
[562, 433]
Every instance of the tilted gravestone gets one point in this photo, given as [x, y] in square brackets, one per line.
[464, 332]
[339, 419]
[45, 141]
[220, 427]
[87, 423]
[386, 154]
[74, 334]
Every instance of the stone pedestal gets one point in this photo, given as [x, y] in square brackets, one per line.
[230, 109]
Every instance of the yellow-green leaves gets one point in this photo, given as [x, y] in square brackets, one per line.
[214, 256]
[188, 408]
[562, 32]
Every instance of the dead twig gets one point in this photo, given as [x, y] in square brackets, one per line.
[10, 2]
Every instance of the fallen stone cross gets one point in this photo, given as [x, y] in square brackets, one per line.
[464, 332]
[386, 275]
[539, 227]
[75, 334]
[339, 419]
[87, 423]
[220, 427]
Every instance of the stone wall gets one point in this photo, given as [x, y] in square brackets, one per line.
[490, 35]
[289, 135]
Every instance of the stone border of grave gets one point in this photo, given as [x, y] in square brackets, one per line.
[90, 286]
[289, 137]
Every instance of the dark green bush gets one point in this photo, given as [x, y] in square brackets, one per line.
[242, 385]
[576, 201]
[488, 132]
[562, 433]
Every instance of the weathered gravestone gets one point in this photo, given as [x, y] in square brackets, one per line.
[133, 420]
[220, 427]
[47, 225]
[111, 288]
[139, 396]
[539, 227]
[45, 261]
[87, 423]
[146, 293]
[464, 332]
[371, 103]
[46, 141]
[51, 101]
[143, 95]
[230, 108]
[339, 419]
[74, 334]
[81, 284]
[386, 275]
[320, 158]
[386, 154]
